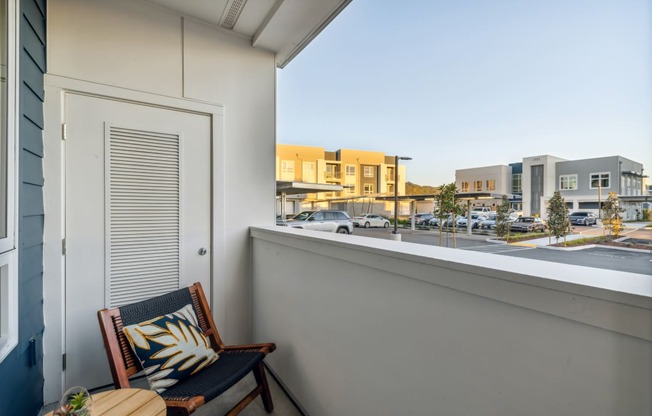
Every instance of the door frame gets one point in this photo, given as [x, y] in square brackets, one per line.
[56, 88]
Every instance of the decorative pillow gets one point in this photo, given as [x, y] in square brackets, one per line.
[170, 347]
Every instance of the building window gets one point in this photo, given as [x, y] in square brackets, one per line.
[369, 171]
[368, 188]
[390, 174]
[567, 182]
[516, 183]
[600, 180]
[350, 170]
[332, 172]
[465, 187]
[491, 185]
[287, 170]
[477, 186]
[8, 257]
[349, 189]
[308, 174]
[390, 188]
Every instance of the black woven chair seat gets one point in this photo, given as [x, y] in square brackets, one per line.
[217, 378]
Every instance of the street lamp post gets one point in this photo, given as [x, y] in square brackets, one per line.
[396, 159]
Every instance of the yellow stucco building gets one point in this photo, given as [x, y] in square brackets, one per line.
[363, 174]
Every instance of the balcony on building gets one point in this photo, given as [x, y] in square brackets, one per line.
[372, 326]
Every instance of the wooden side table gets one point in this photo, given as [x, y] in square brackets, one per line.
[127, 402]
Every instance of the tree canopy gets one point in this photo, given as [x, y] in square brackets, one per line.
[558, 220]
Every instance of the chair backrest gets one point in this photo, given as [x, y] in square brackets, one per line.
[122, 360]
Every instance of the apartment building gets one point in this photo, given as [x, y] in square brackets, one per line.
[489, 183]
[531, 183]
[584, 182]
[363, 174]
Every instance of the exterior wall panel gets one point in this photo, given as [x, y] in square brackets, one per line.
[21, 373]
[624, 180]
[526, 337]
[124, 43]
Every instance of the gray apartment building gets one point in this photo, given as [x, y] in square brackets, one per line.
[582, 183]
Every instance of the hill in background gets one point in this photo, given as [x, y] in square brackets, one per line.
[414, 189]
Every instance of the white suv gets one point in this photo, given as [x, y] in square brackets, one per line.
[481, 210]
[325, 220]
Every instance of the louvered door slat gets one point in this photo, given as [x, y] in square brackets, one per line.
[143, 214]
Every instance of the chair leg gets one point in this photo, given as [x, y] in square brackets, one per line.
[261, 380]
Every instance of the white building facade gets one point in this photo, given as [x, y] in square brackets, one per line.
[582, 183]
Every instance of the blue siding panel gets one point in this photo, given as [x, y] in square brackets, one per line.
[31, 106]
[31, 201]
[21, 372]
[41, 6]
[32, 44]
[31, 261]
[31, 169]
[31, 137]
[32, 229]
[35, 16]
[32, 77]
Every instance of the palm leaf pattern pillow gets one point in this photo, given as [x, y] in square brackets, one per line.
[170, 347]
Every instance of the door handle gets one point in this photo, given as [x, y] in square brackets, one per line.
[202, 251]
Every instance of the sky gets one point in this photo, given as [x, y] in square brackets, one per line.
[458, 84]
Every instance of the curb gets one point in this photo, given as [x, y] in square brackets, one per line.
[576, 248]
[633, 250]
[494, 241]
[523, 244]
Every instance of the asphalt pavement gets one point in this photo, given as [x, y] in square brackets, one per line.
[599, 257]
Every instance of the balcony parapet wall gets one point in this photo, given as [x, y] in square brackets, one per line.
[351, 313]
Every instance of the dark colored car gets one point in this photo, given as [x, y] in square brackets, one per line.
[527, 224]
[583, 218]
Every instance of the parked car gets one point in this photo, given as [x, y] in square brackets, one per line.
[434, 222]
[422, 219]
[324, 220]
[370, 220]
[481, 210]
[583, 218]
[475, 220]
[287, 217]
[527, 224]
[489, 223]
[448, 222]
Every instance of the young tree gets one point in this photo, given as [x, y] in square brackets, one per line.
[502, 219]
[558, 221]
[611, 210]
[455, 208]
[447, 204]
[439, 210]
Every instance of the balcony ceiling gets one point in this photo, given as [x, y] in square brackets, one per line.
[282, 26]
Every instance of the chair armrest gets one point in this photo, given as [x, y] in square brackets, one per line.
[264, 347]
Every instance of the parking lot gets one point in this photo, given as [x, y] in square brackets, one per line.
[599, 257]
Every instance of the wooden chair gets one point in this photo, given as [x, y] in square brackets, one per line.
[186, 396]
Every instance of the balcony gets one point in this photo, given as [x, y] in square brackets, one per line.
[333, 176]
[389, 178]
[366, 326]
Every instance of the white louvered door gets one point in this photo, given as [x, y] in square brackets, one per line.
[137, 209]
[143, 213]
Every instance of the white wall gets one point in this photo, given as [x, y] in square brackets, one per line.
[501, 174]
[135, 46]
[549, 181]
[377, 327]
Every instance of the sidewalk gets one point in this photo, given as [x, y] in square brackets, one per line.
[631, 230]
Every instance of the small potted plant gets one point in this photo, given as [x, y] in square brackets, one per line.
[76, 401]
